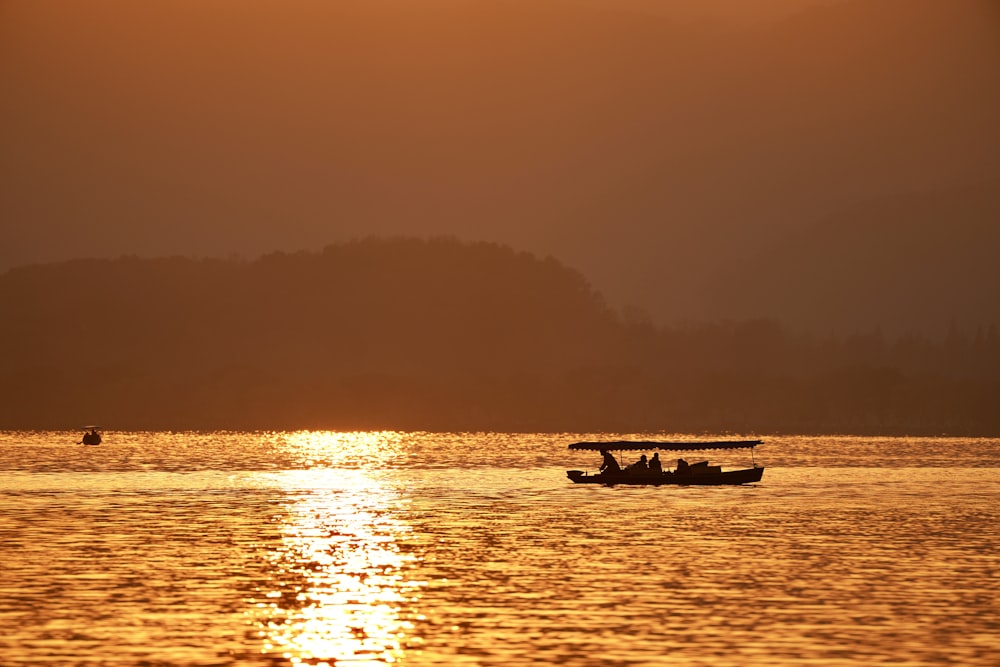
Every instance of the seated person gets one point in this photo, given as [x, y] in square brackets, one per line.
[682, 466]
[654, 463]
[639, 466]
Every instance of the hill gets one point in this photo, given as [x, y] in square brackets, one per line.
[442, 335]
[359, 334]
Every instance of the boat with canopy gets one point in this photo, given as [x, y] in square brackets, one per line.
[642, 473]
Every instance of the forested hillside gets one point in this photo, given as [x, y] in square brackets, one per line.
[443, 335]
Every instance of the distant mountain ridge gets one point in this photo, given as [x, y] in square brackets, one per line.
[443, 335]
[390, 301]
[915, 262]
[213, 341]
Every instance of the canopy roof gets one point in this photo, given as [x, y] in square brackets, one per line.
[633, 445]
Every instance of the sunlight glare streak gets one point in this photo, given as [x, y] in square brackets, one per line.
[338, 589]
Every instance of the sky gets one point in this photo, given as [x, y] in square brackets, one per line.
[695, 160]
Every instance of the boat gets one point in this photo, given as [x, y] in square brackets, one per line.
[683, 474]
[92, 435]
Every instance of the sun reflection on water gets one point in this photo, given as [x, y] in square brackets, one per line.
[339, 592]
[354, 449]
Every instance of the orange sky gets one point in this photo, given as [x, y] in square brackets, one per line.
[650, 152]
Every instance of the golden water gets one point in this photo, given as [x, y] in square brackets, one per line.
[474, 549]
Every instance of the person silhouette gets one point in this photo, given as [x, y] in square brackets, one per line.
[654, 463]
[639, 466]
[609, 464]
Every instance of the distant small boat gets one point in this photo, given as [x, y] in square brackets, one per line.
[92, 435]
[695, 474]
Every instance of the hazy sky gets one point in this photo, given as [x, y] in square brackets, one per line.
[727, 12]
[653, 149]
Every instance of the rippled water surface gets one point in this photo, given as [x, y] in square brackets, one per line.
[417, 549]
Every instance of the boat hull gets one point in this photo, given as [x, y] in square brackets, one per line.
[731, 477]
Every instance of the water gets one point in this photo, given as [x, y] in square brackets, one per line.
[474, 549]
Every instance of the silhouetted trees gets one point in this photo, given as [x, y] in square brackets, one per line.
[443, 335]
